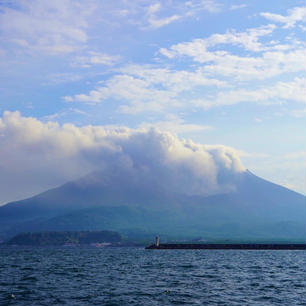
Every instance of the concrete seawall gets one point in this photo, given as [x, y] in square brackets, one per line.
[252, 246]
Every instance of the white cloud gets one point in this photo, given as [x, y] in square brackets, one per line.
[154, 8]
[295, 15]
[160, 14]
[95, 58]
[211, 6]
[36, 155]
[138, 93]
[146, 88]
[272, 59]
[238, 7]
[198, 48]
[175, 80]
[64, 113]
[51, 27]
[270, 64]
[176, 125]
[157, 23]
[275, 94]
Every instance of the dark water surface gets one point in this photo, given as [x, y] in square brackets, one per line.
[134, 276]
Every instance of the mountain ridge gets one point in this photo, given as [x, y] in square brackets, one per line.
[255, 207]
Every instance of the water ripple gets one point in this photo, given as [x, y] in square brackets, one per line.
[134, 276]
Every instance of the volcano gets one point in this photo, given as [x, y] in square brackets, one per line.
[254, 210]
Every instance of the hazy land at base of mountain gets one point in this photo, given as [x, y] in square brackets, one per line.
[57, 238]
[256, 211]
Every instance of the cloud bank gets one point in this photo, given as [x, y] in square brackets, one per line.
[35, 156]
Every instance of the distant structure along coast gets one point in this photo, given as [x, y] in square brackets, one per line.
[225, 246]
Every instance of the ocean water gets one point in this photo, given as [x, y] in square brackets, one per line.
[134, 276]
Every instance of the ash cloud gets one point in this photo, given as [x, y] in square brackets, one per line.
[35, 156]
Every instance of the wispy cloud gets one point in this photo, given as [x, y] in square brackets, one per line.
[276, 94]
[268, 65]
[198, 48]
[211, 6]
[271, 58]
[295, 15]
[146, 88]
[63, 113]
[52, 27]
[238, 6]
[95, 58]
[157, 22]
[160, 14]
[177, 125]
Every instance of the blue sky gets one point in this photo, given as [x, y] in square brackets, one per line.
[215, 72]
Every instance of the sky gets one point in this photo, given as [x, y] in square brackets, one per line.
[76, 74]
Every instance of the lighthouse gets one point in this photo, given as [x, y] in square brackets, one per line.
[157, 241]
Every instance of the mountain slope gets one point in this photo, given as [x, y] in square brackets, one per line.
[256, 209]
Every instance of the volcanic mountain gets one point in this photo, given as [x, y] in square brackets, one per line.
[254, 209]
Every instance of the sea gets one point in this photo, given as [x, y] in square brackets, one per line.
[134, 276]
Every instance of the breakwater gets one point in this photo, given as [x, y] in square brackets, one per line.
[244, 246]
